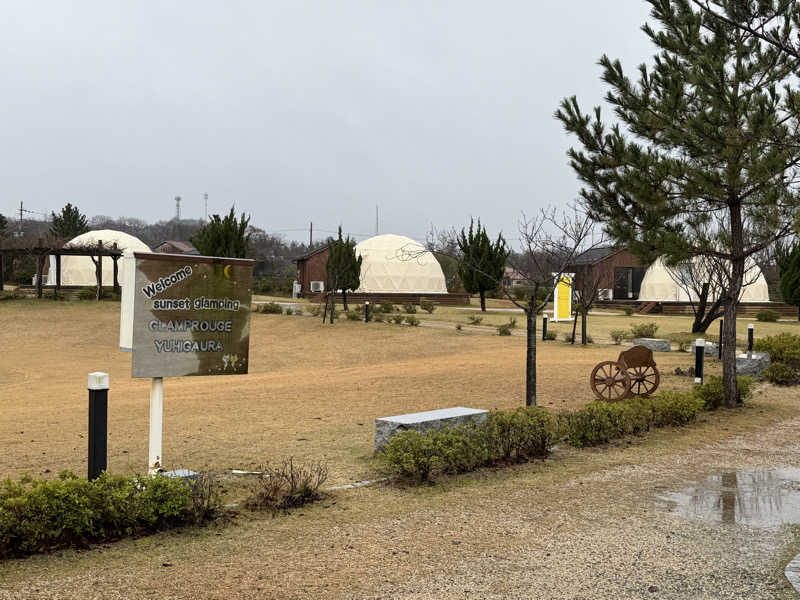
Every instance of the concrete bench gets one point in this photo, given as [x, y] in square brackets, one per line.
[386, 427]
[752, 363]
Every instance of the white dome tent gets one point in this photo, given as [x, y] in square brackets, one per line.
[80, 270]
[660, 285]
[398, 264]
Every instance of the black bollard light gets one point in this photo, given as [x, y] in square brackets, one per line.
[544, 327]
[366, 311]
[98, 423]
[719, 346]
[699, 355]
[750, 336]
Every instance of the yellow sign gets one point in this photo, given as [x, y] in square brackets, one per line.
[562, 299]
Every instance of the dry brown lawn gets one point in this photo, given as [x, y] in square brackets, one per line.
[313, 390]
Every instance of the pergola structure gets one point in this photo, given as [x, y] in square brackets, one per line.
[41, 252]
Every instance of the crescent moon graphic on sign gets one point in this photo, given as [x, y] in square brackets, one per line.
[227, 271]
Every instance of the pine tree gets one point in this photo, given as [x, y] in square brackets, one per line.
[3, 227]
[69, 223]
[482, 262]
[707, 166]
[789, 268]
[223, 236]
[343, 268]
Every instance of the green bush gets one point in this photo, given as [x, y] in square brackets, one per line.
[618, 335]
[352, 315]
[396, 319]
[474, 319]
[550, 335]
[628, 310]
[412, 455]
[644, 330]
[427, 306]
[409, 308]
[459, 326]
[386, 307]
[783, 348]
[782, 374]
[520, 435]
[767, 315]
[713, 396]
[412, 321]
[42, 515]
[270, 308]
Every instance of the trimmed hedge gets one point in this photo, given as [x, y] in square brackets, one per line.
[42, 515]
[782, 374]
[783, 348]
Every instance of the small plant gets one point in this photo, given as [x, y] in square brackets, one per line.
[567, 337]
[427, 306]
[409, 308]
[767, 315]
[271, 308]
[644, 330]
[781, 374]
[412, 321]
[512, 323]
[397, 319]
[713, 396]
[459, 327]
[551, 335]
[474, 319]
[782, 348]
[352, 315]
[504, 329]
[287, 486]
[628, 310]
[618, 335]
[289, 311]
[386, 307]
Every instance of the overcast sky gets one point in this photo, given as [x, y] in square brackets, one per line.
[302, 111]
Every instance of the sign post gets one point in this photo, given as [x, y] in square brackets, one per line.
[185, 316]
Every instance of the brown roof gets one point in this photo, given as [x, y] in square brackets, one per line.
[184, 247]
[308, 255]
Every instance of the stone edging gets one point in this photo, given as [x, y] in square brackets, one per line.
[792, 572]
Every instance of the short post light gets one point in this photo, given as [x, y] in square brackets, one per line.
[699, 355]
[750, 336]
[544, 327]
[98, 423]
[366, 311]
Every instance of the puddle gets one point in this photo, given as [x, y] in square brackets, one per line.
[754, 497]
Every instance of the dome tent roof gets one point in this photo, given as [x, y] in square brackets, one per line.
[398, 264]
[658, 285]
[79, 270]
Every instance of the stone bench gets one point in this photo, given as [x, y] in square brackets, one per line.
[386, 427]
[752, 363]
[711, 349]
[655, 344]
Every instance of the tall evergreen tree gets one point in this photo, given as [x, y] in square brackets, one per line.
[343, 268]
[3, 227]
[708, 165]
[789, 268]
[482, 262]
[223, 236]
[69, 223]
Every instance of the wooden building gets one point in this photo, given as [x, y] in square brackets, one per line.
[174, 247]
[616, 272]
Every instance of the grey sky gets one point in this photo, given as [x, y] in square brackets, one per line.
[300, 111]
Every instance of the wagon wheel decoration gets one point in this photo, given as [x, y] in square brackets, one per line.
[644, 379]
[610, 382]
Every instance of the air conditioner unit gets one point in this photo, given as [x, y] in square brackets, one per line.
[605, 294]
[317, 286]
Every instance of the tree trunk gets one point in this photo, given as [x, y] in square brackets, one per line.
[729, 380]
[333, 306]
[483, 300]
[344, 299]
[798, 312]
[530, 358]
[574, 329]
[584, 341]
[325, 310]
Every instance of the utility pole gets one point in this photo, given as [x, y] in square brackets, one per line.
[310, 234]
[205, 198]
[19, 232]
[376, 219]
[177, 208]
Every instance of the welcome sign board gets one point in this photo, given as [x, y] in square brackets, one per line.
[191, 315]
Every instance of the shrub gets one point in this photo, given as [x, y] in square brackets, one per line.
[461, 449]
[427, 306]
[618, 335]
[567, 337]
[287, 486]
[42, 515]
[412, 321]
[386, 307]
[396, 319]
[550, 335]
[409, 308]
[644, 330]
[504, 329]
[412, 455]
[784, 348]
[781, 373]
[271, 308]
[767, 315]
[628, 310]
[713, 396]
[684, 340]
[521, 435]
[474, 319]
[352, 315]
[459, 326]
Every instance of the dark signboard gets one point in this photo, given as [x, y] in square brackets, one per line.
[191, 315]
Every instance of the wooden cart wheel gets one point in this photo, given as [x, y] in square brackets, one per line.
[609, 382]
[644, 380]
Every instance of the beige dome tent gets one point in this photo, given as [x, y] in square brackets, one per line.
[661, 284]
[398, 264]
[80, 270]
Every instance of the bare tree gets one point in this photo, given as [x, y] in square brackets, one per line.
[587, 284]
